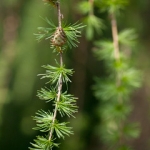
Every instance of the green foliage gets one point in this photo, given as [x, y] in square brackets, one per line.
[115, 107]
[112, 6]
[42, 143]
[62, 102]
[106, 52]
[44, 121]
[109, 90]
[113, 91]
[47, 94]
[84, 7]
[61, 129]
[67, 105]
[115, 111]
[94, 24]
[72, 32]
[45, 33]
[128, 37]
[53, 73]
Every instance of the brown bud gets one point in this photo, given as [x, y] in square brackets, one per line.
[59, 37]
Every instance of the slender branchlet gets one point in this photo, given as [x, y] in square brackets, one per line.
[116, 49]
[91, 12]
[60, 77]
[59, 14]
[61, 37]
[115, 36]
[118, 74]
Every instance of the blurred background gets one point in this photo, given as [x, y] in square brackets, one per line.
[21, 58]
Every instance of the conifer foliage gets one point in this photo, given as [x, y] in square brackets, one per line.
[121, 79]
[61, 37]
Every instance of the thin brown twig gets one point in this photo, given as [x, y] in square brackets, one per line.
[58, 98]
[115, 37]
[60, 78]
[59, 14]
[117, 58]
[91, 5]
[116, 46]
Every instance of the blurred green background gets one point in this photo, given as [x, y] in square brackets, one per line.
[21, 58]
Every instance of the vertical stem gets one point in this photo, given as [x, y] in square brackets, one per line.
[60, 77]
[59, 14]
[117, 58]
[116, 46]
[58, 98]
[115, 36]
[91, 5]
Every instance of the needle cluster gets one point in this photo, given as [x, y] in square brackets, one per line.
[61, 37]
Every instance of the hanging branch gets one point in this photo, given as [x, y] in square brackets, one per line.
[115, 37]
[59, 14]
[118, 73]
[116, 49]
[91, 12]
[60, 78]
[114, 92]
[64, 103]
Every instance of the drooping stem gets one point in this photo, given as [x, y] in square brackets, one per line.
[58, 98]
[91, 5]
[116, 47]
[59, 90]
[115, 37]
[118, 74]
[59, 14]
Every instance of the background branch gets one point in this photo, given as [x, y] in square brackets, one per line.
[91, 12]
[118, 74]
[115, 37]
